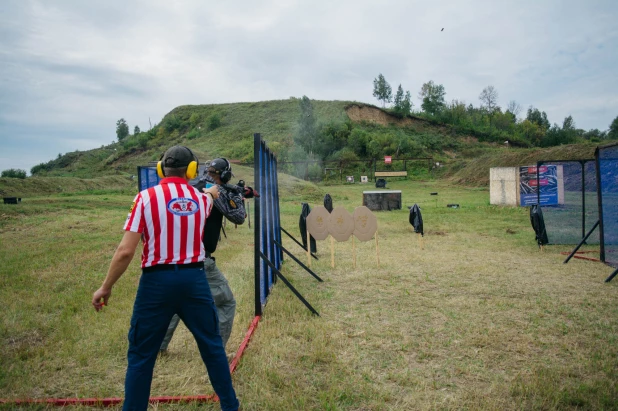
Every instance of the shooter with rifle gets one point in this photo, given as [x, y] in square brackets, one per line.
[230, 205]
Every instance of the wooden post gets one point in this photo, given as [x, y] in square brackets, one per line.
[420, 241]
[308, 248]
[377, 249]
[353, 251]
[332, 252]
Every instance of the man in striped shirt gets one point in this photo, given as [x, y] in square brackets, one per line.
[229, 204]
[169, 218]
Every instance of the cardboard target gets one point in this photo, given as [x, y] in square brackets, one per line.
[365, 223]
[341, 224]
[317, 223]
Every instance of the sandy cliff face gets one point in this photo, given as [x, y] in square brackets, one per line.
[360, 113]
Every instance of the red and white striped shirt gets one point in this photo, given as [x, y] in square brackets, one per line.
[170, 216]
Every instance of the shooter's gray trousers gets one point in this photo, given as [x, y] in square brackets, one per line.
[224, 301]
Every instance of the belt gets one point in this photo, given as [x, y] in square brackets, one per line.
[172, 267]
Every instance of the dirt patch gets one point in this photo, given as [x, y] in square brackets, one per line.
[359, 113]
[24, 340]
[470, 139]
[430, 232]
[87, 227]
[450, 154]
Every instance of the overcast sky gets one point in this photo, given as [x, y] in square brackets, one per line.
[69, 69]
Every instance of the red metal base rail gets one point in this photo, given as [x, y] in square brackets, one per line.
[581, 257]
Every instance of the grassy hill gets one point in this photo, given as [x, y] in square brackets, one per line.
[355, 131]
[210, 130]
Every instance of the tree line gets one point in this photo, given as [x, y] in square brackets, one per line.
[317, 141]
[489, 121]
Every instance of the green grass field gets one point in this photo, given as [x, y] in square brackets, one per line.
[477, 319]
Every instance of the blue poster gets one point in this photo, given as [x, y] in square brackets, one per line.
[547, 184]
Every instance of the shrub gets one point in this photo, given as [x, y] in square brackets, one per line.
[14, 173]
[39, 168]
[315, 172]
[193, 134]
[344, 155]
[172, 123]
[194, 119]
[142, 140]
[214, 122]
[129, 143]
[357, 141]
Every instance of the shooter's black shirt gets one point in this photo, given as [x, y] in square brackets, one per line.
[229, 204]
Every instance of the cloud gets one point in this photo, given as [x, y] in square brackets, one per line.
[69, 69]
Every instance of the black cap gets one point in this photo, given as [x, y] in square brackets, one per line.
[220, 165]
[177, 157]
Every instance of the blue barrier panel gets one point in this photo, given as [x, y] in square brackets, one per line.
[607, 170]
[266, 219]
[277, 221]
[268, 257]
[147, 177]
[267, 228]
[266, 222]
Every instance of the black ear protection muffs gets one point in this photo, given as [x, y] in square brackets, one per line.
[226, 175]
[192, 167]
[222, 167]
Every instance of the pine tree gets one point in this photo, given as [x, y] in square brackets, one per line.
[399, 101]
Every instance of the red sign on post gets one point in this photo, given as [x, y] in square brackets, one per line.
[388, 159]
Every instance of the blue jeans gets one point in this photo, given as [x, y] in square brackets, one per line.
[160, 295]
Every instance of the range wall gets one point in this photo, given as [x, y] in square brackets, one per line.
[504, 186]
